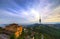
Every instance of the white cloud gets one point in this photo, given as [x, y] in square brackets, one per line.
[7, 17]
[54, 16]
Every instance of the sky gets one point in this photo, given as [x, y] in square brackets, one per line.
[29, 11]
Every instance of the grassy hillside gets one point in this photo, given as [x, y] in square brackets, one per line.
[47, 32]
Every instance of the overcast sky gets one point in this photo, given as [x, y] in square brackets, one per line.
[29, 11]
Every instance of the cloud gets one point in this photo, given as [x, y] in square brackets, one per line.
[29, 11]
[54, 16]
[7, 17]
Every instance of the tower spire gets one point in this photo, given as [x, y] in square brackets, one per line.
[40, 20]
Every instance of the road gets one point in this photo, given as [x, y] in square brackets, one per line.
[42, 36]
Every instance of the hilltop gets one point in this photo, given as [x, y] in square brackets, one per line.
[48, 31]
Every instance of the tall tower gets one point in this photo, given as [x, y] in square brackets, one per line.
[40, 21]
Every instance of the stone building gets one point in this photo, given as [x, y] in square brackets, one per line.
[13, 28]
